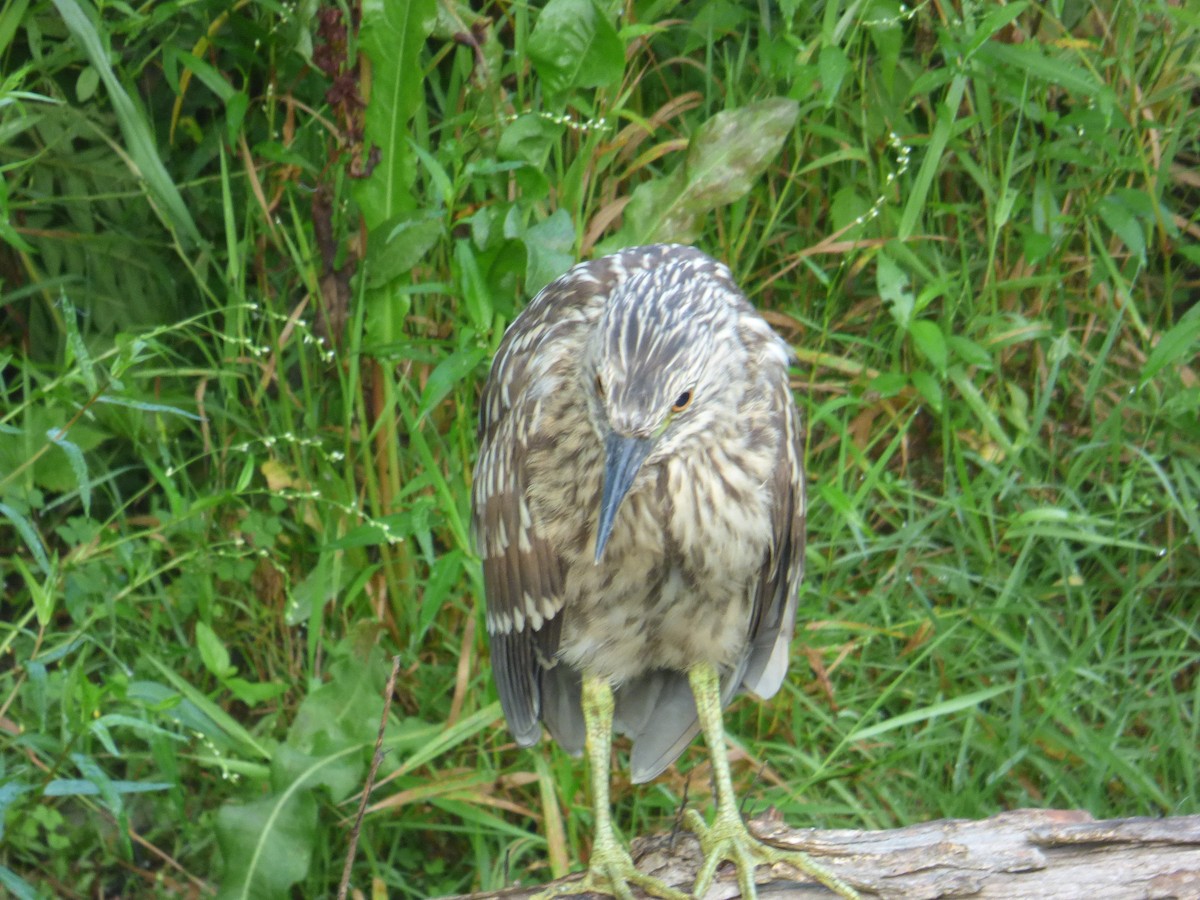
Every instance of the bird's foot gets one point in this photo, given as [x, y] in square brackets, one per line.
[728, 838]
[611, 871]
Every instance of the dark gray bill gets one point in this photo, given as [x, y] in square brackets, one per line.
[623, 458]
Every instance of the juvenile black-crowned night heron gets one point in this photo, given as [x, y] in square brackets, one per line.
[639, 507]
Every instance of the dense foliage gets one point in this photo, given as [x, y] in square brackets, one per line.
[254, 259]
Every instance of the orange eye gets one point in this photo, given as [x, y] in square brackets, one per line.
[682, 401]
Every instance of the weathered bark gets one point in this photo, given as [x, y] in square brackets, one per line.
[1026, 853]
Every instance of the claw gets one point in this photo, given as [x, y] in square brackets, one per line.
[611, 870]
[612, 873]
[727, 838]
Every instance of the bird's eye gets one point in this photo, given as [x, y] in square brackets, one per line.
[599, 388]
[682, 401]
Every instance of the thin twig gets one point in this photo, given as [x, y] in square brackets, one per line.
[366, 793]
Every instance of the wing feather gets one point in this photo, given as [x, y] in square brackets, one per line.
[773, 617]
[522, 573]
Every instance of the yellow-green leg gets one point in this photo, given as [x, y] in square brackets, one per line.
[611, 870]
[728, 838]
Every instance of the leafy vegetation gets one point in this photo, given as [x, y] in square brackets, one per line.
[254, 262]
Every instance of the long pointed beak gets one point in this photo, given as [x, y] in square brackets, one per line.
[623, 458]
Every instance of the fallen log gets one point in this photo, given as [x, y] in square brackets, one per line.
[1026, 853]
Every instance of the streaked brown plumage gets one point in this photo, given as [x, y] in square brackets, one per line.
[639, 508]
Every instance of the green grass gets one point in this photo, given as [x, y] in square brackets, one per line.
[243, 323]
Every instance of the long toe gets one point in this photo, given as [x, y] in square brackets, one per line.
[612, 873]
[728, 840]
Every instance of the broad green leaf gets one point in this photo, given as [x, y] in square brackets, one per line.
[1035, 246]
[883, 19]
[929, 388]
[443, 576]
[387, 311]
[888, 384]
[834, 66]
[213, 653]
[391, 36]
[574, 45]
[345, 710]
[969, 352]
[656, 212]
[1181, 343]
[253, 693]
[1124, 223]
[394, 247]
[892, 283]
[366, 535]
[550, 250]
[1017, 410]
[928, 338]
[320, 586]
[52, 470]
[846, 206]
[10, 20]
[78, 354]
[731, 150]
[528, 138]
[447, 375]
[236, 108]
[725, 158]
[86, 84]
[266, 846]
[78, 466]
[337, 767]
[441, 184]
[29, 536]
[929, 81]
[476, 296]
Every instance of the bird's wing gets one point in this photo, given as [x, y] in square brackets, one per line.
[522, 573]
[522, 578]
[773, 618]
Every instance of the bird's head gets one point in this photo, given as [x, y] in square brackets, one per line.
[660, 372]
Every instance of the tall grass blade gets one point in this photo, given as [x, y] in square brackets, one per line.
[139, 141]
